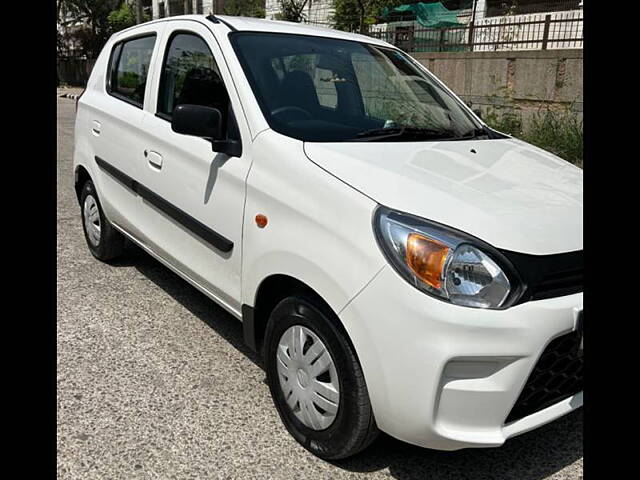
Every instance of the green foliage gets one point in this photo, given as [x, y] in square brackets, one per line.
[100, 19]
[129, 80]
[292, 10]
[508, 122]
[346, 16]
[94, 15]
[559, 131]
[357, 15]
[123, 17]
[244, 8]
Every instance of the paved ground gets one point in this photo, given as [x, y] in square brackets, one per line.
[154, 382]
[68, 91]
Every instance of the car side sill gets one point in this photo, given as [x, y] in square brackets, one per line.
[179, 272]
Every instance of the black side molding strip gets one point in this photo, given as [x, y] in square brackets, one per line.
[200, 229]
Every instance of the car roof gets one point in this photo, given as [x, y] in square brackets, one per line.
[250, 24]
[277, 26]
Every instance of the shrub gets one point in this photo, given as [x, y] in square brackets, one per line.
[121, 18]
[509, 122]
[558, 131]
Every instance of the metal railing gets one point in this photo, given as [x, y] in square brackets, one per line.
[550, 31]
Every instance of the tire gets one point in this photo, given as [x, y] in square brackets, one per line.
[108, 243]
[337, 434]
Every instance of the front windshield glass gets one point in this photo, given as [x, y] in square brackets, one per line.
[321, 89]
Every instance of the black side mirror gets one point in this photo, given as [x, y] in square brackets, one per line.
[201, 121]
[197, 120]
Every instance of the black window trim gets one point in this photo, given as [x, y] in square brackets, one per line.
[109, 77]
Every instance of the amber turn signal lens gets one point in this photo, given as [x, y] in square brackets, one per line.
[261, 220]
[426, 257]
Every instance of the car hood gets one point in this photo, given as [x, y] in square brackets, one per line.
[506, 192]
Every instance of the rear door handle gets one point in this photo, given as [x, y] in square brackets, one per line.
[154, 158]
[95, 128]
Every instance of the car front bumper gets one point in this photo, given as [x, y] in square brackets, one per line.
[444, 376]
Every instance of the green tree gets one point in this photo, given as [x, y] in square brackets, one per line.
[292, 10]
[93, 13]
[123, 17]
[244, 8]
[357, 15]
[99, 19]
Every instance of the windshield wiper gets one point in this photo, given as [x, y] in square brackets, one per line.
[401, 132]
[473, 134]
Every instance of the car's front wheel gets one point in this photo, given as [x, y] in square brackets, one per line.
[316, 381]
[104, 241]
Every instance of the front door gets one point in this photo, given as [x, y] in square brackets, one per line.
[194, 196]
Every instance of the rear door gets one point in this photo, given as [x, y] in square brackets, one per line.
[113, 121]
[195, 197]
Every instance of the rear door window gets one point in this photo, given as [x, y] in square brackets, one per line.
[129, 68]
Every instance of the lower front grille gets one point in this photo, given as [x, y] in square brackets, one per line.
[557, 375]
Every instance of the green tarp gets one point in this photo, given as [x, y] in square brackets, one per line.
[429, 15]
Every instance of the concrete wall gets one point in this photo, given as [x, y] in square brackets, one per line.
[517, 81]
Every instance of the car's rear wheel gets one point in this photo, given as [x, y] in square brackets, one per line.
[104, 242]
[316, 381]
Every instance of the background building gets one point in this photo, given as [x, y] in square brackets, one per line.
[169, 8]
[316, 12]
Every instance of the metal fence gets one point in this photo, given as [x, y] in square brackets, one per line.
[550, 31]
[73, 70]
[511, 7]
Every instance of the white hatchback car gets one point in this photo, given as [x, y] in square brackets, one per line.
[400, 265]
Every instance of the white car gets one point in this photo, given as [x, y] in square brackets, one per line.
[400, 266]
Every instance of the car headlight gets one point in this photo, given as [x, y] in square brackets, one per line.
[446, 263]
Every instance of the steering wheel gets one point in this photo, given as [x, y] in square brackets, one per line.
[291, 108]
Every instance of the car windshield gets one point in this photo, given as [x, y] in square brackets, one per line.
[322, 89]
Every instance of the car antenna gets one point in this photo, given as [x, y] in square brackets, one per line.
[212, 18]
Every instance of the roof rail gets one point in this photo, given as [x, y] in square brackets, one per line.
[212, 18]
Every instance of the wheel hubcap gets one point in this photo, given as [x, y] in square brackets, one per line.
[91, 216]
[303, 379]
[308, 377]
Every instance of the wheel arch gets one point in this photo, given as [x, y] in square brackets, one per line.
[81, 175]
[271, 290]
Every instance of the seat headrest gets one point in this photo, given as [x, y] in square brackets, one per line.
[298, 89]
[203, 86]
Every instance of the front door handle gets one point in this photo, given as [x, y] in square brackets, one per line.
[154, 158]
[95, 128]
